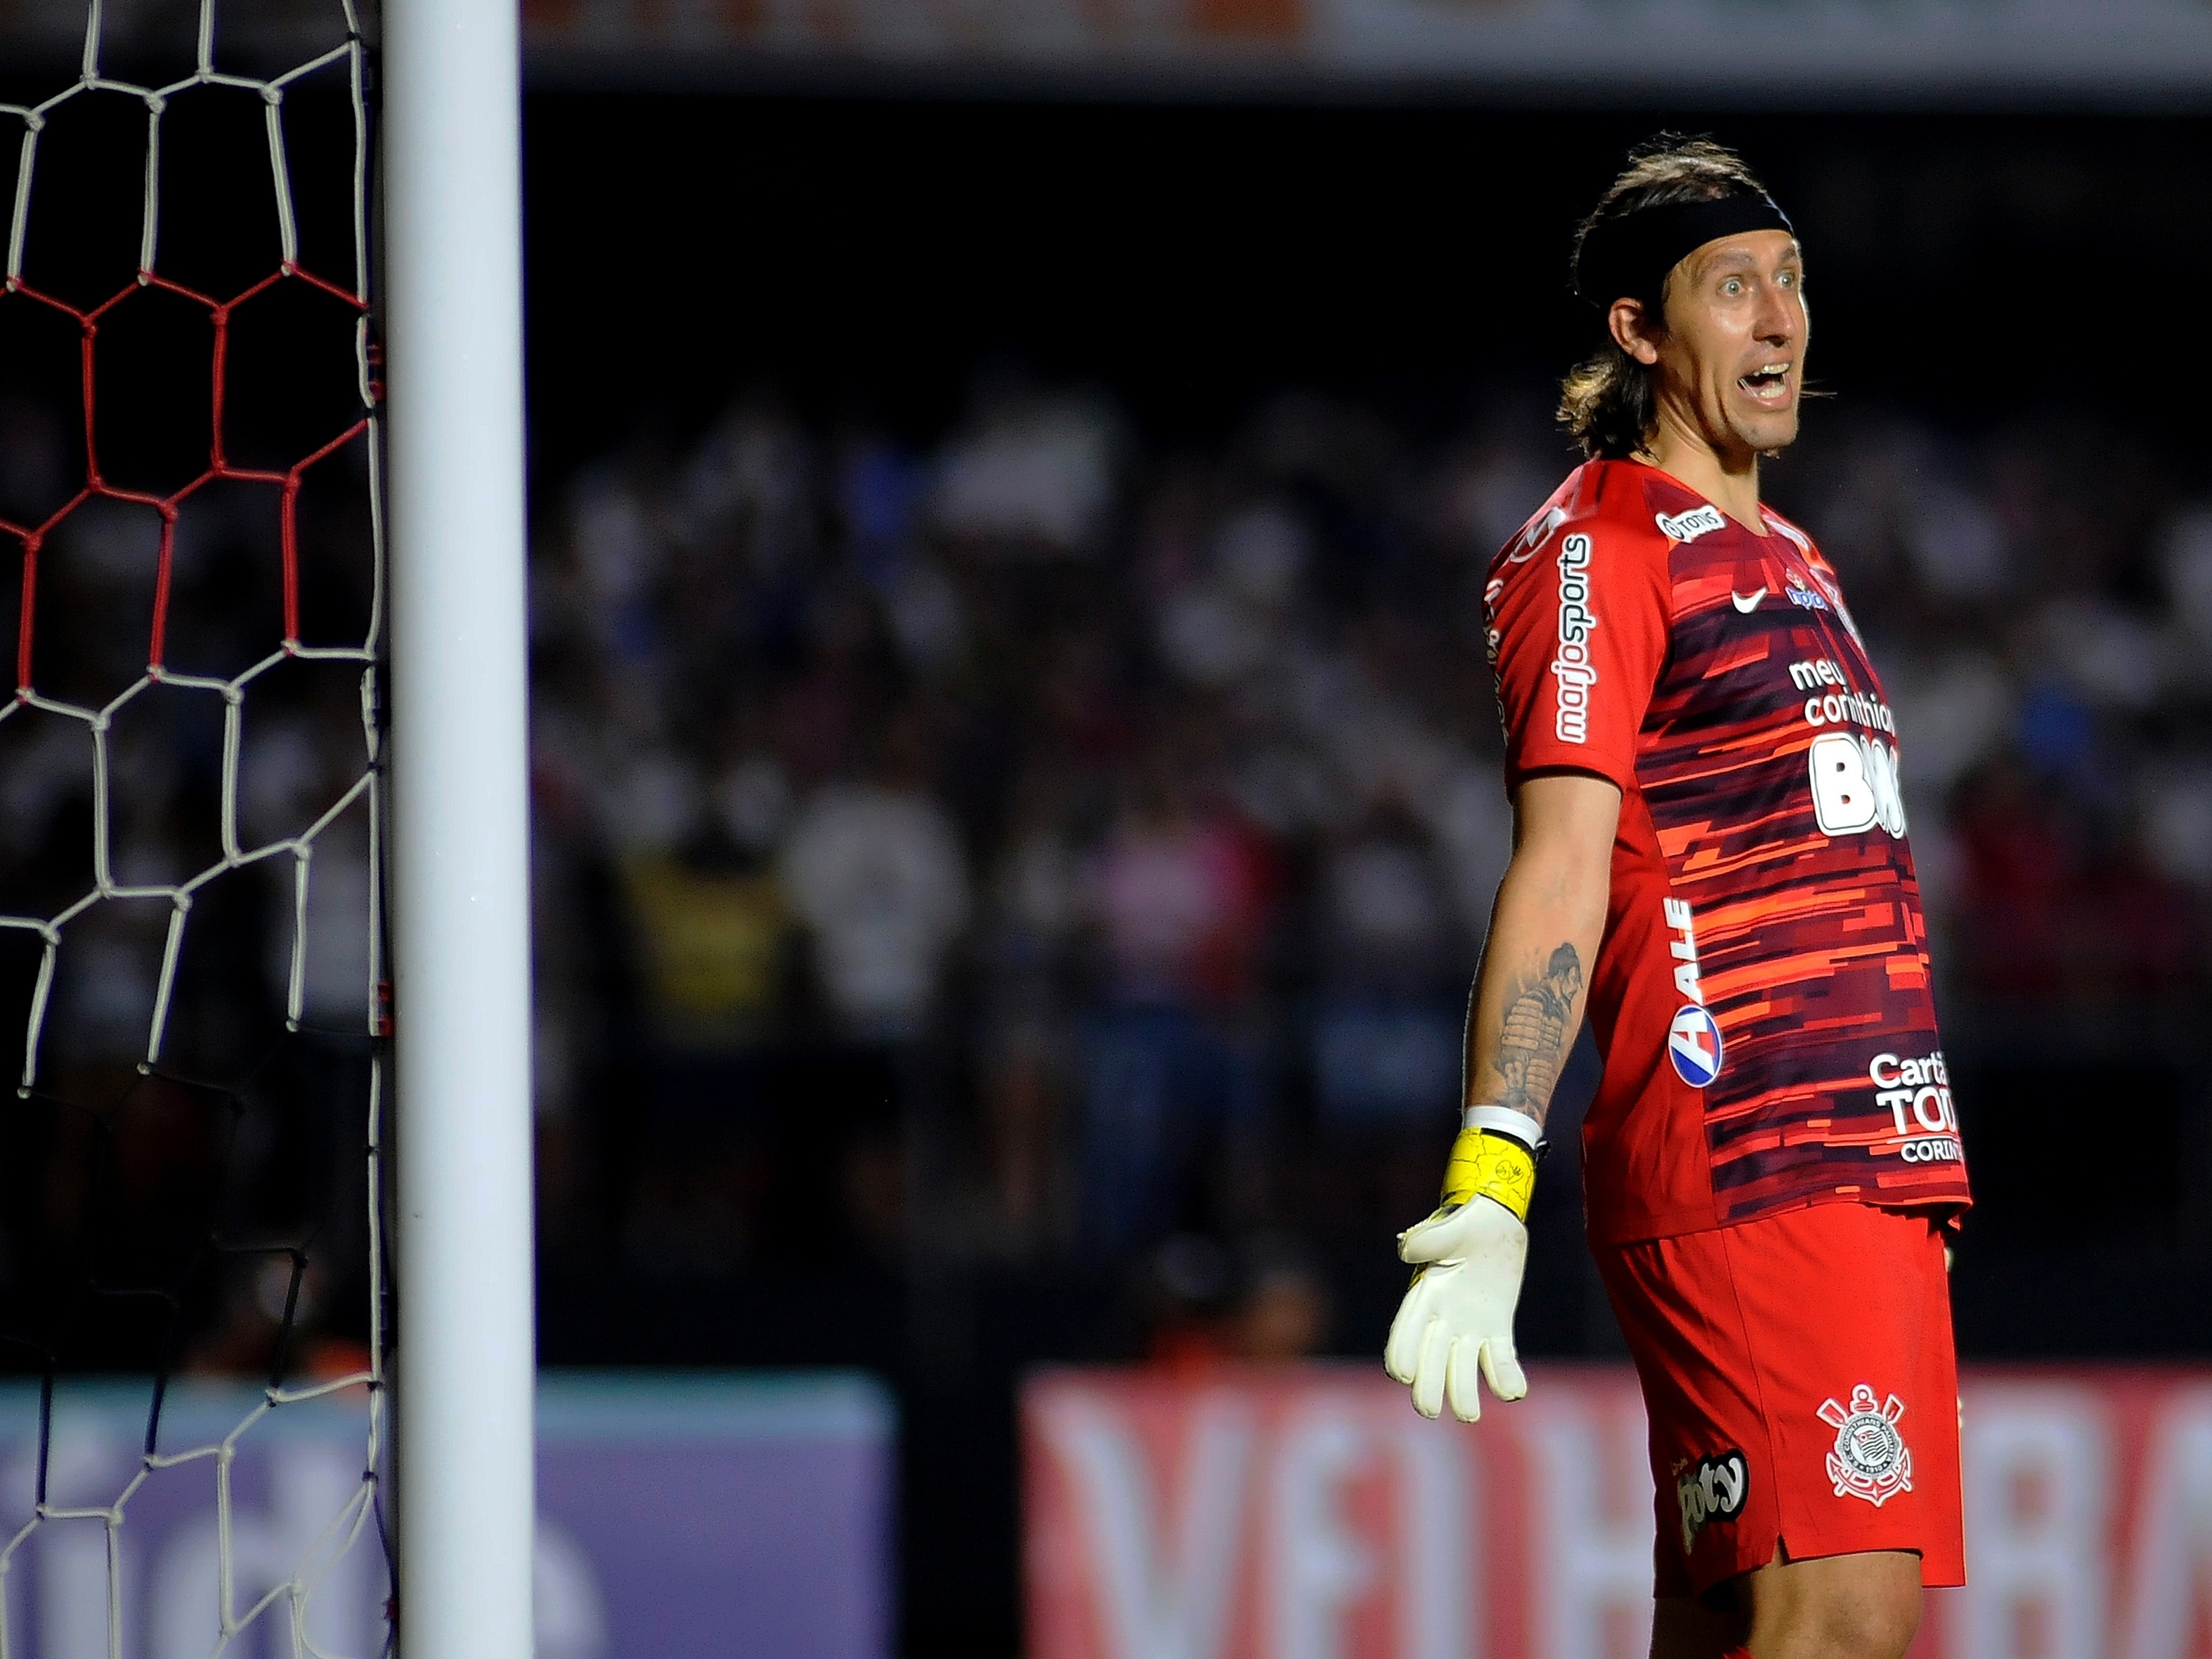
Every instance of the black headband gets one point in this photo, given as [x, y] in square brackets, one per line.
[1629, 258]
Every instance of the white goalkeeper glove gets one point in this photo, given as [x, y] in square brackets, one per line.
[1457, 1314]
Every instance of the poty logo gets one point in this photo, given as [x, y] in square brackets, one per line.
[1698, 522]
[1571, 664]
[1712, 1491]
[1693, 1043]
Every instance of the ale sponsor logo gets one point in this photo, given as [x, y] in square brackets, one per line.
[1683, 947]
[1693, 1043]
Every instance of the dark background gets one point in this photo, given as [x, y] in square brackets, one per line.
[2001, 302]
[1198, 256]
[860, 256]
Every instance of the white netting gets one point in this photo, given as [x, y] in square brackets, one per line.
[187, 794]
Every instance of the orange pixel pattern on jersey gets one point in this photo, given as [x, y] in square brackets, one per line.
[1762, 997]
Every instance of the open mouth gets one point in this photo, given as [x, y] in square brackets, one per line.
[1768, 384]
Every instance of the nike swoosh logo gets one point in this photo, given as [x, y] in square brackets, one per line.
[1747, 603]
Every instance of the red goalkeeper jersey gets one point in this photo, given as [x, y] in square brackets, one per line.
[1762, 997]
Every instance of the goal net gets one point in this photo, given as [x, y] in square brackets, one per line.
[191, 1275]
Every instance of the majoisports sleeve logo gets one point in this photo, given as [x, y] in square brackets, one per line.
[1572, 664]
[1871, 1460]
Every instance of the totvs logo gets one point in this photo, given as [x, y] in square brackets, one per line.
[1688, 527]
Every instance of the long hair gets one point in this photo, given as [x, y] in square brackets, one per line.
[1607, 402]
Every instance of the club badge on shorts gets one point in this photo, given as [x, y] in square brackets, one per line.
[1693, 1043]
[1871, 1460]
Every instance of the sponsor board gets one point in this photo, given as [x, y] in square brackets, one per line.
[699, 1513]
[1304, 1512]
[1674, 46]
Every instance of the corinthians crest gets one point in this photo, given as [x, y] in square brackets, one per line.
[1870, 1460]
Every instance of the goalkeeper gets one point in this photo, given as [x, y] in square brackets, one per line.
[1709, 860]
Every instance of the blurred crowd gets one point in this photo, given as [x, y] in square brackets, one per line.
[208, 1210]
[1044, 841]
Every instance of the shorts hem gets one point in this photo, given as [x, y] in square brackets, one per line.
[1940, 1568]
[1936, 1572]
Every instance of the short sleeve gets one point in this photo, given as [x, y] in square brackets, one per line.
[1578, 631]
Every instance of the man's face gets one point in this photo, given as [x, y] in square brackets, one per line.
[1732, 358]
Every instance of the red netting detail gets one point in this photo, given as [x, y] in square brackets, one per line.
[316, 841]
[218, 467]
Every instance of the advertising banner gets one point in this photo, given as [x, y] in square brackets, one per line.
[730, 1516]
[1759, 53]
[1774, 52]
[1309, 1514]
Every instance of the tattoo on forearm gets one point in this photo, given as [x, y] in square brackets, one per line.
[1531, 1041]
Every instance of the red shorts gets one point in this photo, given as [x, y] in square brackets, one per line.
[1803, 1390]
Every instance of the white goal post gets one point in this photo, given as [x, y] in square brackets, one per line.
[461, 831]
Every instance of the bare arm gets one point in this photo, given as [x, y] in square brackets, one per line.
[1528, 994]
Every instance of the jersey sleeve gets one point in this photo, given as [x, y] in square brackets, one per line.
[1578, 631]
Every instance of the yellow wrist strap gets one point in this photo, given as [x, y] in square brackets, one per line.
[1486, 1164]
